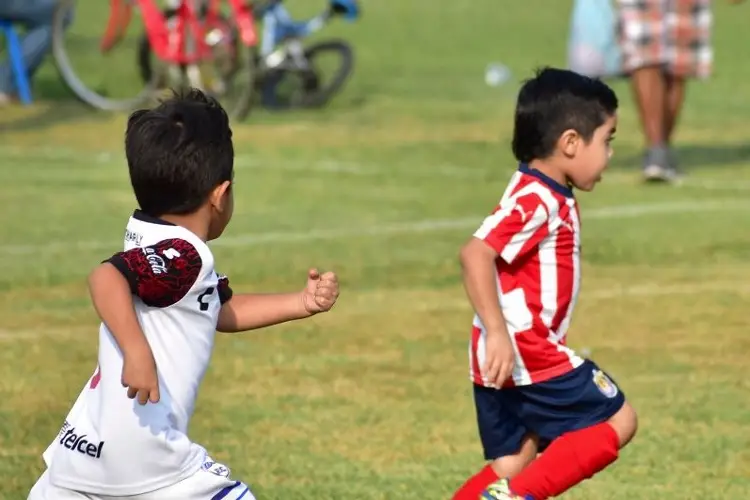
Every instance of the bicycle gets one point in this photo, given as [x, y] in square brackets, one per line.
[283, 59]
[287, 61]
[182, 43]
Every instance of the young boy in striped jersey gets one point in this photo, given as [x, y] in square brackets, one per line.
[521, 271]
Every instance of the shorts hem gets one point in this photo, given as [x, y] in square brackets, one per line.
[128, 490]
[629, 69]
[611, 412]
[491, 457]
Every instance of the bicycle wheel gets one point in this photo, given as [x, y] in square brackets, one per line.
[75, 51]
[309, 87]
[228, 75]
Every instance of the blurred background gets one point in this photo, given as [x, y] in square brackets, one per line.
[382, 181]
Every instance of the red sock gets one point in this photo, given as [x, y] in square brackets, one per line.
[476, 484]
[569, 460]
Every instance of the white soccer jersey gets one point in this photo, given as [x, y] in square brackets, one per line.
[109, 444]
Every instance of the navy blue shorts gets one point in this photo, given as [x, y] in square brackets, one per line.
[578, 399]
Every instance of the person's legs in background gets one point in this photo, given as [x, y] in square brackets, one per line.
[663, 43]
[688, 36]
[673, 98]
[36, 17]
[642, 39]
[650, 91]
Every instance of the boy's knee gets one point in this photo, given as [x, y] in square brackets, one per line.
[625, 424]
[510, 465]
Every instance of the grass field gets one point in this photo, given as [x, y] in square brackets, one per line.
[372, 400]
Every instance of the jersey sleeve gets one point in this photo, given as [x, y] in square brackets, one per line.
[225, 291]
[161, 274]
[514, 230]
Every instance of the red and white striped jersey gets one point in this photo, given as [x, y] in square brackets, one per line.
[536, 232]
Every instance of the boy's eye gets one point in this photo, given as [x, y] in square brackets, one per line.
[610, 139]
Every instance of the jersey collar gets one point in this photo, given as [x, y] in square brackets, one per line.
[144, 217]
[548, 181]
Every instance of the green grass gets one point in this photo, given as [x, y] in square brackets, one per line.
[372, 400]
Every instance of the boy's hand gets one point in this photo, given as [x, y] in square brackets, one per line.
[499, 358]
[321, 291]
[139, 375]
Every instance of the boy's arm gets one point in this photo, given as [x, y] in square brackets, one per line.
[478, 266]
[160, 275]
[250, 311]
[113, 301]
[510, 233]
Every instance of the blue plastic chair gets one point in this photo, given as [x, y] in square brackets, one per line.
[17, 64]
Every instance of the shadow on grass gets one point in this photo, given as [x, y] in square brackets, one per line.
[695, 156]
[50, 116]
[59, 106]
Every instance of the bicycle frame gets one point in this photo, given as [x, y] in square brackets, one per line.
[283, 35]
[278, 25]
[185, 43]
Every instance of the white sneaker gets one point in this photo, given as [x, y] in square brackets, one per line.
[657, 173]
[659, 165]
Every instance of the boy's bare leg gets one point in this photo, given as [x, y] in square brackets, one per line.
[512, 465]
[507, 466]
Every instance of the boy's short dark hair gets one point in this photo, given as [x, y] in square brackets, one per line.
[554, 101]
[178, 152]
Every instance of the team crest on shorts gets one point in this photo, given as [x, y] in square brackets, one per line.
[216, 468]
[604, 384]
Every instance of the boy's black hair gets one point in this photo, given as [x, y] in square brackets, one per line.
[554, 101]
[178, 152]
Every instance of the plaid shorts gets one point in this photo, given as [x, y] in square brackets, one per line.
[674, 34]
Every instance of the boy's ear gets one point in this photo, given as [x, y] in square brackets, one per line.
[569, 142]
[218, 195]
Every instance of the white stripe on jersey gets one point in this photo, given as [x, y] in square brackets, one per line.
[548, 279]
[565, 323]
[516, 243]
[511, 186]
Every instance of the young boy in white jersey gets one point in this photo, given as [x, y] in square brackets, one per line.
[161, 302]
[521, 272]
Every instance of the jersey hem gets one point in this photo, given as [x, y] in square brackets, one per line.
[129, 490]
[536, 377]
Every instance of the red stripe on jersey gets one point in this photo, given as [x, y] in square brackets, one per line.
[476, 371]
[96, 378]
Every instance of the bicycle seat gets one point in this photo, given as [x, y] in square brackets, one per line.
[349, 9]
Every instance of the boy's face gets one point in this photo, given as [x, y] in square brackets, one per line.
[592, 158]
